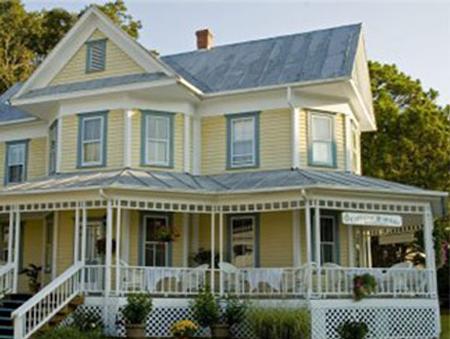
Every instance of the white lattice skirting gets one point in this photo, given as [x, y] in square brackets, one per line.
[386, 318]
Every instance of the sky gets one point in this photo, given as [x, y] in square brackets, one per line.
[415, 35]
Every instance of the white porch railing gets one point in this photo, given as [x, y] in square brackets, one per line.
[391, 282]
[6, 279]
[93, 279]
[33, 314]
[162, 280]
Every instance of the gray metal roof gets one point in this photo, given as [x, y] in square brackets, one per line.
[10, 92]
[311, 56]
[94, 84]
[221, 183]
[10, 113]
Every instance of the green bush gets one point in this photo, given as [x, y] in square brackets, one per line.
[137, 309]
[280, 323]
[235, 311]
[71, 332]
[87, 320]
[205, 308]
[353, 330]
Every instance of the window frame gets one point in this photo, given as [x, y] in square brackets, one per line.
[53, 153]
[332, 142]
[143, 239]
[231, 119]
[145, 139]
[9, 144]
[103, 139]
[89, 46]
[255, 220]
[334, 243]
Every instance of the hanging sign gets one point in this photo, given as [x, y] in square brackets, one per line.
[371, 219]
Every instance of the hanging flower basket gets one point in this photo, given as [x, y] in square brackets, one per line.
[166, 234]
[101, 246]
[363, 286]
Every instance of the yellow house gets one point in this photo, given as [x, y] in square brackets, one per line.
[234, 166]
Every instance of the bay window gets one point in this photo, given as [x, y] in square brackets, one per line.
[243, 140]
[322, 152]
[157, 139]
[92, 140]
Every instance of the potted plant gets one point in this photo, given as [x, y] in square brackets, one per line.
[183, 329]
[353, 330]
[234, 312]
[34, 280]
[363, 285]
[206, 310]
[166, 234]
[135, 312]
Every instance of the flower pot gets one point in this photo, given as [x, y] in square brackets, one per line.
[220, 331]
[136, 331]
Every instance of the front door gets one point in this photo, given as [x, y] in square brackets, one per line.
[156, 251]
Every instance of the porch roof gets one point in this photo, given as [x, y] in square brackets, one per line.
[243, 182]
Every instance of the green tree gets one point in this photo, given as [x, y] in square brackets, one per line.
[26, 37]
[412, 143]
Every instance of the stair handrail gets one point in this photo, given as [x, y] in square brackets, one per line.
[6, 285]
[21, 324]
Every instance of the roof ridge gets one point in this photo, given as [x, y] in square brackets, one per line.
[262, 39]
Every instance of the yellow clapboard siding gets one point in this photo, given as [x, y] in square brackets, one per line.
[134, 238]
[117, 63]
[115, 139]
[213, 145]
[32, 242]
[340, 140]
[303, 146]
[64, 248]
[69, 129]
[276, 243]
[37, 158]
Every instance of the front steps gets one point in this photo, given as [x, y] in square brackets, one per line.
[8, 304]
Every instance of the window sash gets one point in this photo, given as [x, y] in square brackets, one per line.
[155, 251]
[245, 141]
[16, 163]
[322, 145]
[93, 141]
[155, 144]
[328, 244]
[252, 245]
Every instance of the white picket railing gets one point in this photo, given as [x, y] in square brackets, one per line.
[6, 279]
[266, 281]
[40, 308]
[391, 282]
[93, 279]
[162, 280]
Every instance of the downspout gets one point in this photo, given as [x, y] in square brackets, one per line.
[295, 138]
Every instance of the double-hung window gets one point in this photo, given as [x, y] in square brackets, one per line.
[16, 162]
[328, 246]
[92, 140]
[243, 241]
[53, 147]
[157, 142]
[243, 140]
[322, 151]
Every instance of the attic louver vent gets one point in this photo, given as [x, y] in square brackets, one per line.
[96, 56]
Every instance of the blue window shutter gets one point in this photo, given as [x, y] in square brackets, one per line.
[95, 56]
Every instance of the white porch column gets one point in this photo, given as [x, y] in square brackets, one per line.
[430, 261]
[55, 244]
[297, 253]
[16, 251]
[348, 144]
[318, 258]
[351, 246]
[128, 114]
[108, 260]
[197, 144]
[221, 249]
[213, 248]
[126, 235]
[187, 143]
[83, 242]
[308, 246]
[10, 237]
[118, 247]
[295, 137]
[76, 237]
[369, 249]
[186, 218]
[363, 248]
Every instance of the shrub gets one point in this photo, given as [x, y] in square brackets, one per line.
[205, 308]
[87, 320]
[71, 332]
[280, 323]
[137, 309]
[353, 330]
[235, 311]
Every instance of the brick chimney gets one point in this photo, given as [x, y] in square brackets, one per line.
[204, 39]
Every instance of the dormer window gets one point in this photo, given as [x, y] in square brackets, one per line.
[243, 140]
[96, 56]
[16, 161]
[322, 146]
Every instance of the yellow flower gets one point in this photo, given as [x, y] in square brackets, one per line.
[184, 328]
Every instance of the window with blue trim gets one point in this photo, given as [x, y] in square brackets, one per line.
[92, 140]
[328, 246]
[53, 147]
[243, 141]
[157, 139]
[96, 56]
[322, 140]
[16, 162]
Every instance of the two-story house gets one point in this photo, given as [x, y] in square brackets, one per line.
[122, 170]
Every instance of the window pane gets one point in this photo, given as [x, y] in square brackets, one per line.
[91, 152]
[322, 128]
[243, 129]
[157, 127]
[243, 147]
[322, 152]
[243, 141]
[157, 152]
[15, 173]
[16, 155]
[92, 129]
[326, 230]
[158, 140]
[243, 242]
[327, 253]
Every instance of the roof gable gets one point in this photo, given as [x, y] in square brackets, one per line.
[306, 57]
[92, 24]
